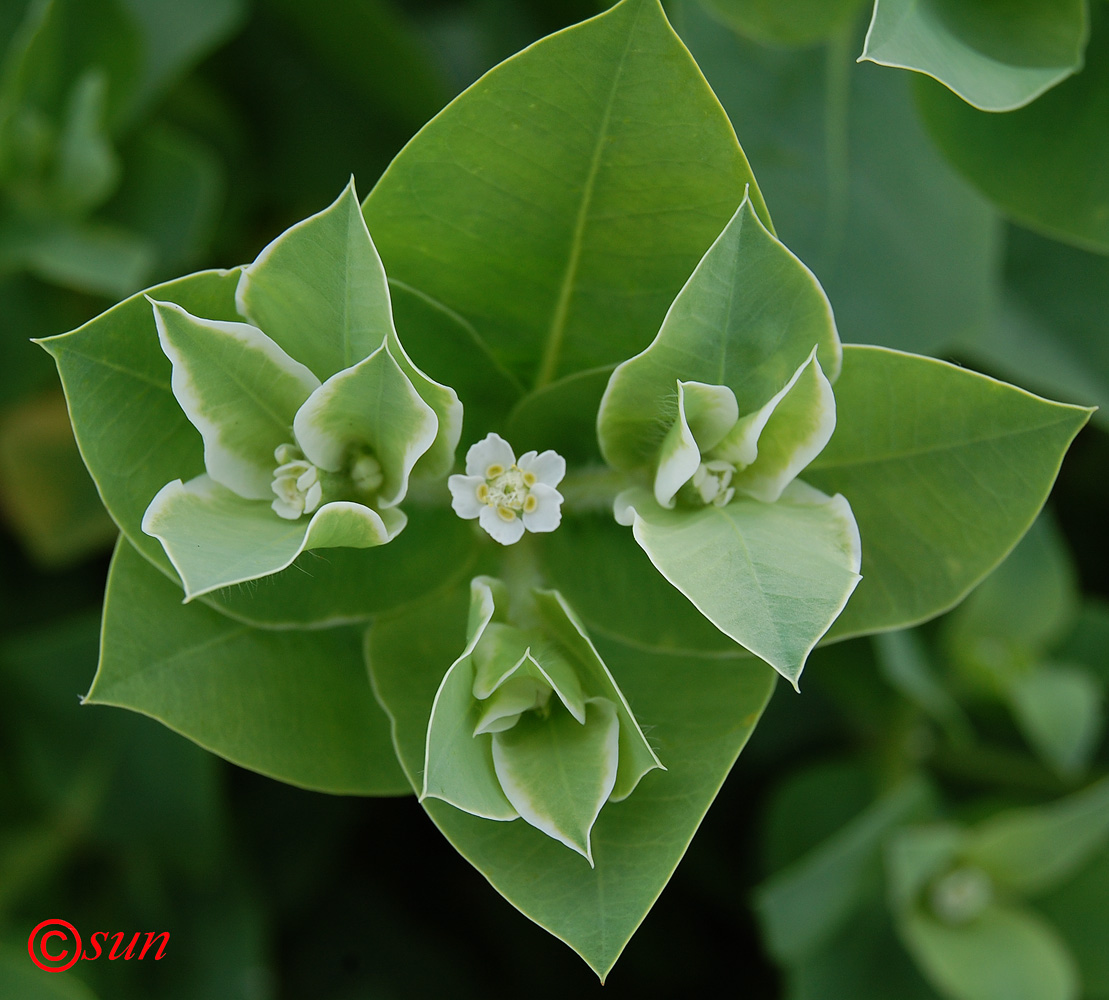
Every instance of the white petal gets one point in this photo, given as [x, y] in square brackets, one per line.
[549, 467]
[548, 511]
[464, 495]
[490, 450]
[505, 532]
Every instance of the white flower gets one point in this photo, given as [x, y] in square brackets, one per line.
[508, 496]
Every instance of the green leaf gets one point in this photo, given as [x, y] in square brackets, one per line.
[374, 405]
[319, 290]
[772, 576]
[292, 705]
[1077, 909]
[22, 979]
[87, 168]
[803, 906]
[239, 389]
[908, 252]
[785, 22]
[215, 538]
[563, 251]
[1004, 954]
[748, 318]
[996, 57]
[558, 772]
[923, 451]
[1035, 849]
[1058, 708]
[1045, 165]
[135, 438]
[700, 715]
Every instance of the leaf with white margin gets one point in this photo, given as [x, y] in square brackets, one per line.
[773, 577]
[215, 538]
[559, 773]
[796, 425]
[374, 404]
[238, 388]
[701, 712]
[562, 624]
[747, 318]
[320, 291]
[996, 57]
[1003, 953]
[706, 413]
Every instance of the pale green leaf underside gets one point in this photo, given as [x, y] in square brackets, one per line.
[293, 705]
[558, 772]
[562, 624]
[369, 404]
[944, 469]
[552, 219]
[773, 577]
[996, 57]
[239, 389]
[747, 318]
[1004, 953]
[700, 714]
[215, 538]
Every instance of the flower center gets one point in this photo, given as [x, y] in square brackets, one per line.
[296, 483]
[711, 483]
[508, 491]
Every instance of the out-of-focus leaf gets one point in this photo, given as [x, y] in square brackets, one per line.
[996, 57]
[339, 32]
[45, 492]
[1059, 709]
[20, 980]
[864, 959]
[171, 194]
[1046, 165]
[563, 250]
[904, 661]
[90, 257]
[1003, 954]
[1035, 849]
[697, 714]
[801, 907]
[1088, 642]
[1077, 909]
[1053, 331]
[908, 252]
[785, 22]
[289, 704]
[923, 451]
[1027, 603]
[174, 37]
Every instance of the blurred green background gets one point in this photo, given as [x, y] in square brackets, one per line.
[140, 139]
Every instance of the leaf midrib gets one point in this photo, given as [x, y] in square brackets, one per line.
[552, 346]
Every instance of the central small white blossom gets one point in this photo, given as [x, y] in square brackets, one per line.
[506, 495]
[296, 483]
